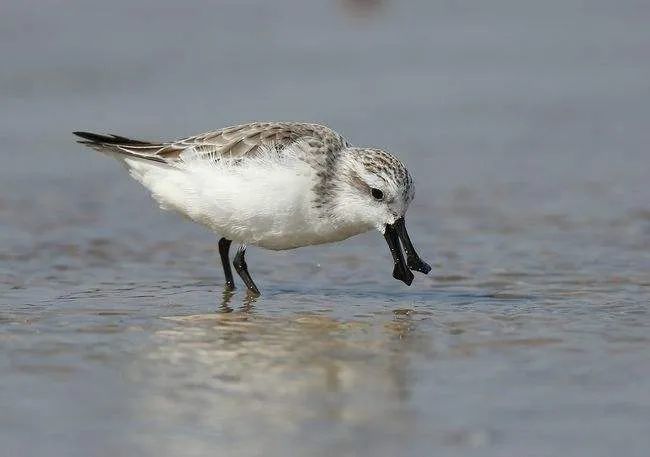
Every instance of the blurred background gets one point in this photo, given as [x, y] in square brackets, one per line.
[525, 125]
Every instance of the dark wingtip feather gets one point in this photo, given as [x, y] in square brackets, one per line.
[93, 137]
[108, 139]
[120, 145]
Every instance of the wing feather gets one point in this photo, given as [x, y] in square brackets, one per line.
[235, 142]
[247, 139]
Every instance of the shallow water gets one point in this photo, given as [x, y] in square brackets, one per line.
[525, 125]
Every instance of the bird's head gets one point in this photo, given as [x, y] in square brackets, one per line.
[373, 188]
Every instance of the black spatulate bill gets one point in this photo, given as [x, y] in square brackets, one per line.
[400, 270]
[413, 260]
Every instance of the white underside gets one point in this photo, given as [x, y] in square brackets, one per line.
[265, 201]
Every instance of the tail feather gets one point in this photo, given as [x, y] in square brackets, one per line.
[121, 145]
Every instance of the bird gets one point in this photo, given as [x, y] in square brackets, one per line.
[275, 185]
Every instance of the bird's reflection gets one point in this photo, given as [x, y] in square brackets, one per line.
[227, 298]
[286, 365]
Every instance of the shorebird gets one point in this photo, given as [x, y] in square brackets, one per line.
[276, 185]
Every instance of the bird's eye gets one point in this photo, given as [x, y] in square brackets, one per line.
[377, 194]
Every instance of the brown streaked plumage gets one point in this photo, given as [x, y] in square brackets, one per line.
[232, 142]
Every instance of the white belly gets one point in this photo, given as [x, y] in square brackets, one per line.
[265, 202]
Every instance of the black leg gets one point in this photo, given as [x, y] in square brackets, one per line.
[224, 247]
[242, 269]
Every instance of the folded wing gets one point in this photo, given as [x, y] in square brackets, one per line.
[230, 142]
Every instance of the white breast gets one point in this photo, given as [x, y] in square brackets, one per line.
[265, 201]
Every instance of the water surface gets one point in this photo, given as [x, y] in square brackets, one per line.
[525, 125]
